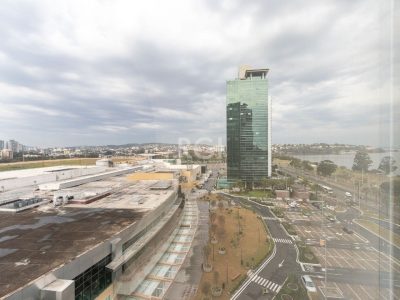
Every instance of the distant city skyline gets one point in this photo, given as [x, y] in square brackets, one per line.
[119, 72]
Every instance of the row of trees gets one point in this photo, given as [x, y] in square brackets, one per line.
[362, 162]
[266, 183]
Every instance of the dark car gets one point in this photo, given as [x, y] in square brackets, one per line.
[347, 230]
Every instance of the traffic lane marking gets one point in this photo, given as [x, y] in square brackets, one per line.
[352, 291]
[367, 261]
[339, 258]
[365, 292]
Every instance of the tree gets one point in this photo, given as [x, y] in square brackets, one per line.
[362, 161]
[295, 162]
[239, 184]
[326, 168]
[306, 165]
[387, 165]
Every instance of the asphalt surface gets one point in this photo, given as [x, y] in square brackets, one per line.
[347, 218]
[283, 262]
[352, 213]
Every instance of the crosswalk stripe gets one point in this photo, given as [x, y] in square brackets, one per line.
[284, 241]
[274, 287]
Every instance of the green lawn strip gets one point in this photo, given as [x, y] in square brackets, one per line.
[270, 243]
[237, 283]
[255, 193]
[48, 163]
[289, 289]
[380, 231]
[278, 212]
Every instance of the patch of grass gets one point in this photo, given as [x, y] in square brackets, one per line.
[299, 294]
[279, 212]
[381, 231]
[289, 228]
[46, 163]
[256, 193]
[306, 254]
[237, 283]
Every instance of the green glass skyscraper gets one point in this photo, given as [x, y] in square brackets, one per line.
[248, 118]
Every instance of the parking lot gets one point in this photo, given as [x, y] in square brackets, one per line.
[336, 290]
[294, 216]
[330, 233]
[355, 259]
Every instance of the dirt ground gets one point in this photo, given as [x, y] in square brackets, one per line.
[243, 250]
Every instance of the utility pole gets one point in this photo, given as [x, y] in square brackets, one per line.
[226, 274]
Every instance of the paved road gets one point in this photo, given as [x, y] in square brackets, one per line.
[353, 213]
[273, 274]
[377, 242]
[338, 189]
[211, 181]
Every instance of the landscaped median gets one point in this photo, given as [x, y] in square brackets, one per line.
[305, 254]
[255, 193]
[278, 211]
[380, 231]
[293, 289]
[238, 242]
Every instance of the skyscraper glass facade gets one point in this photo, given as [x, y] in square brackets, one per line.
[248, 132]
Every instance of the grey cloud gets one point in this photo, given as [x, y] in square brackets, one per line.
[164, 86]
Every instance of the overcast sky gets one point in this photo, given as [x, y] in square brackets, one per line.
[114, 72]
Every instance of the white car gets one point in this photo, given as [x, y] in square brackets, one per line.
[348, 194]
[308, 283]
